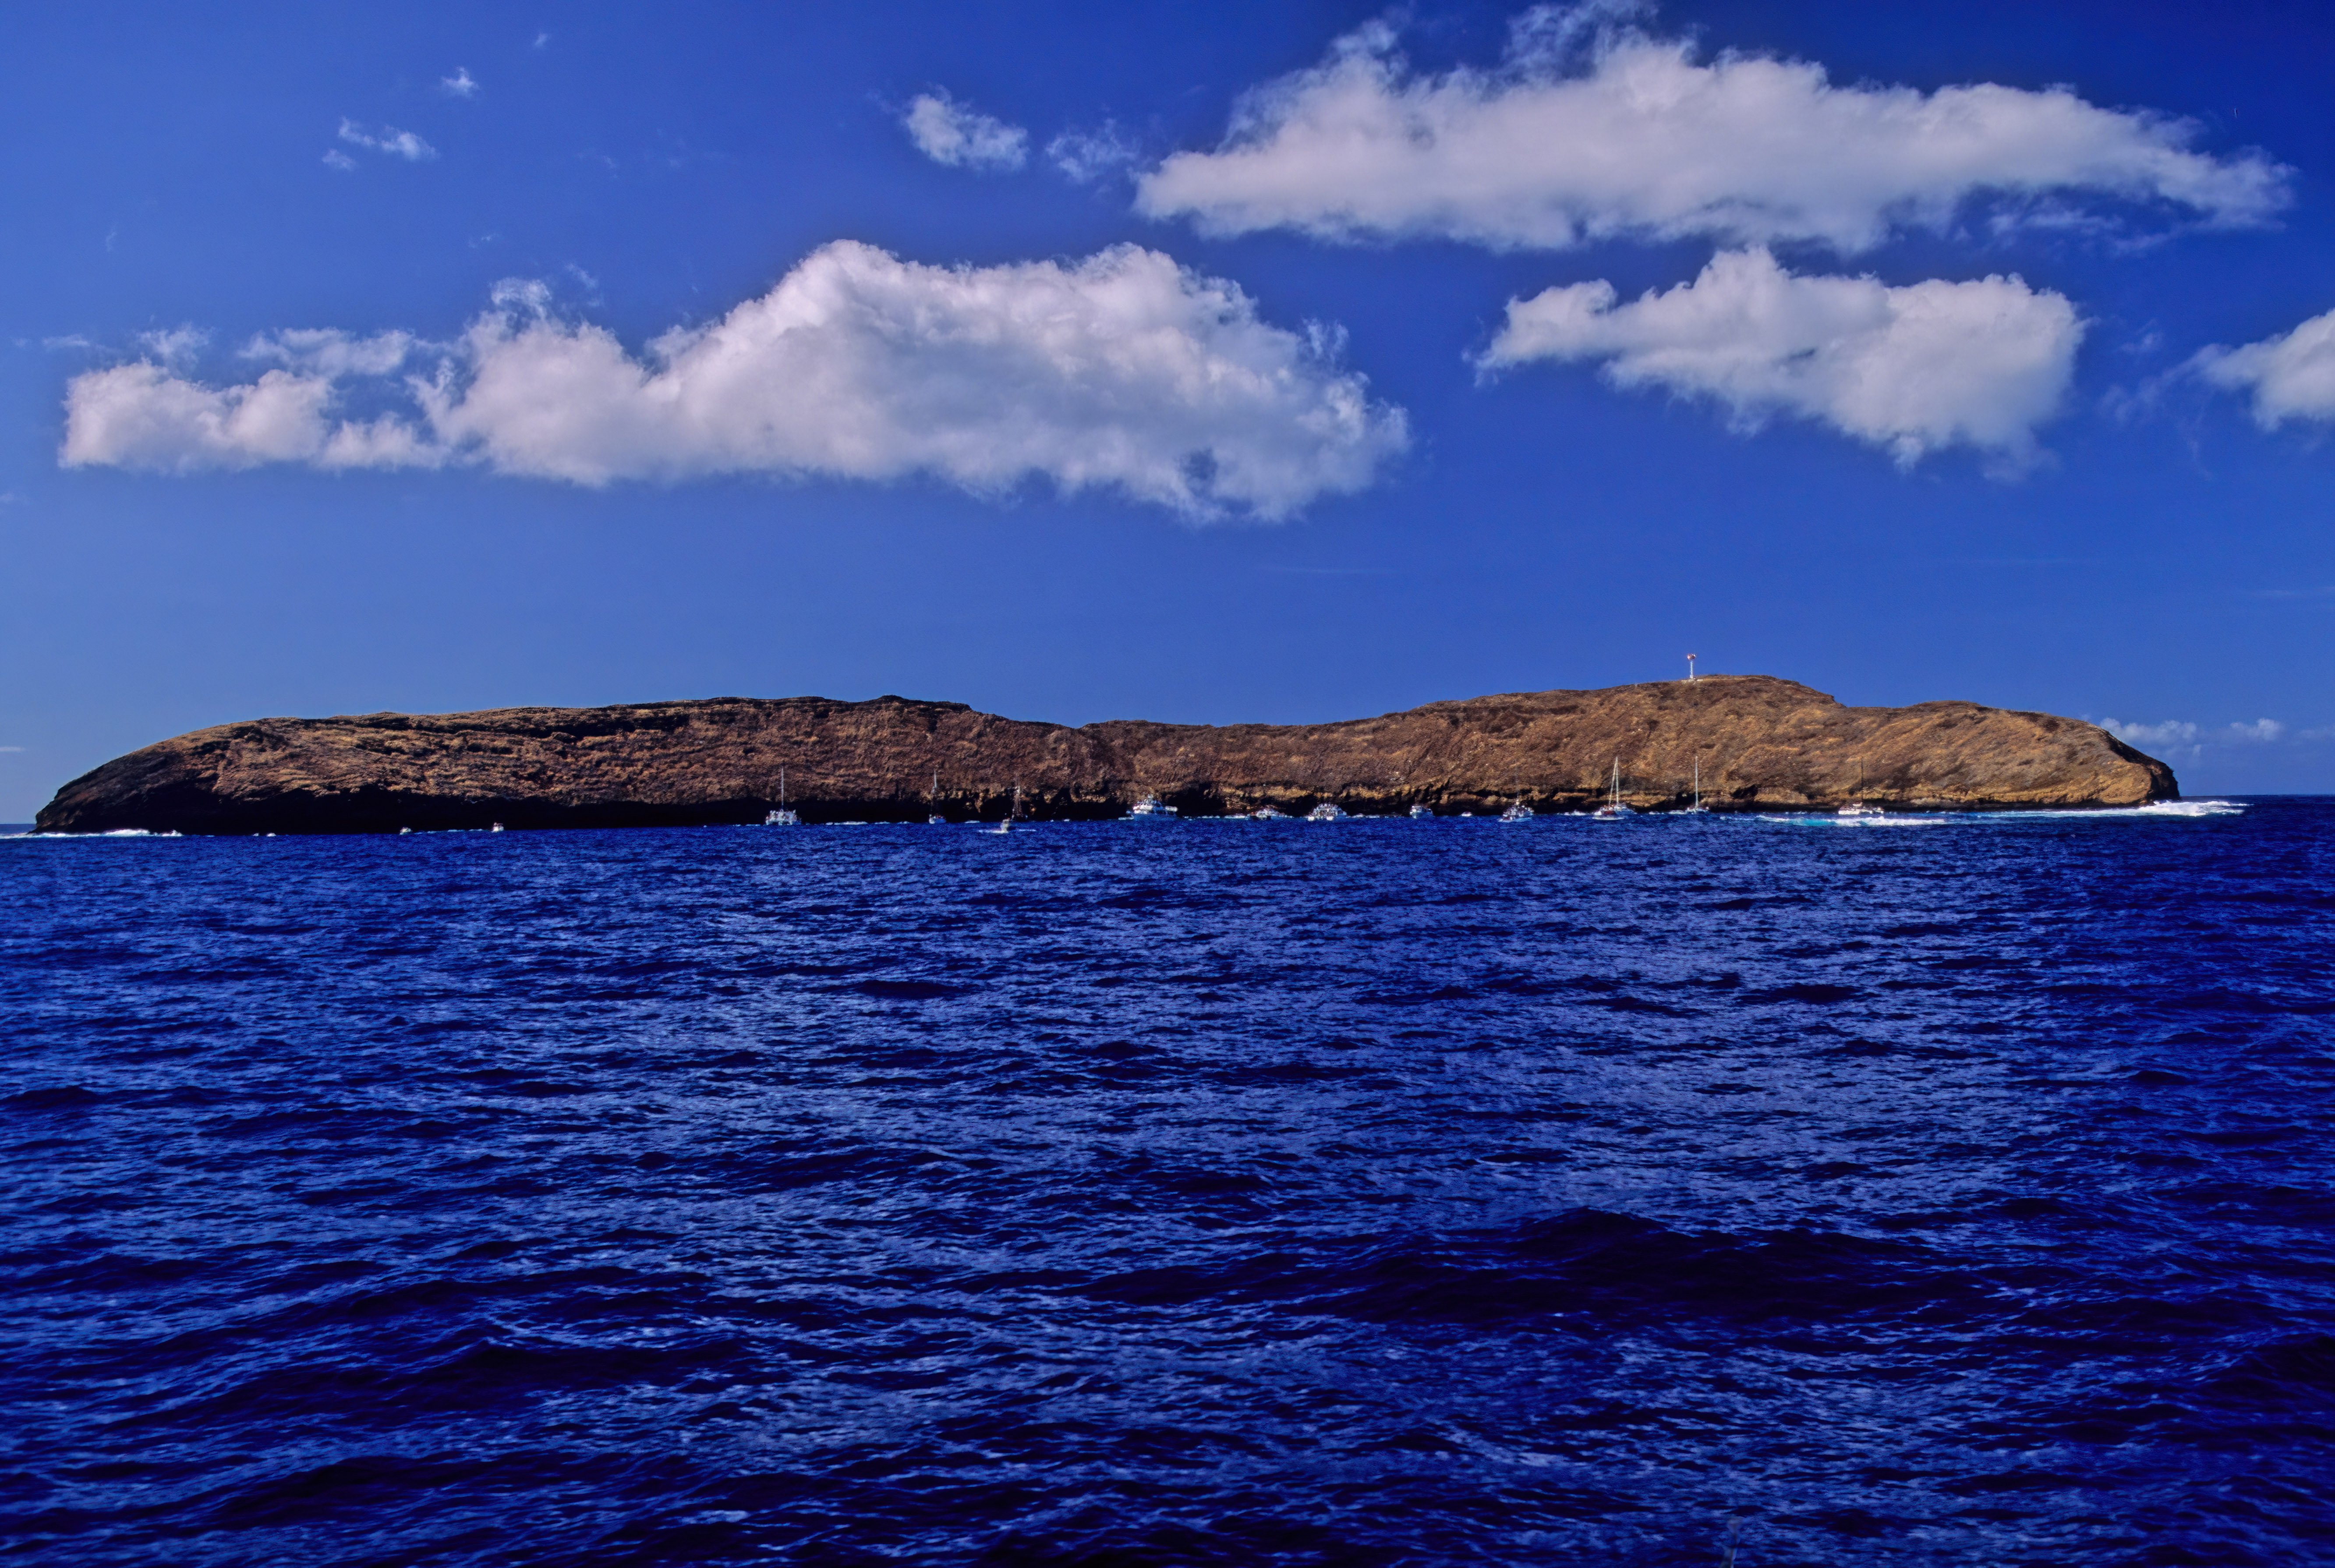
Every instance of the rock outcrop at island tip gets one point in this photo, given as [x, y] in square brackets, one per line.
[1761, 743]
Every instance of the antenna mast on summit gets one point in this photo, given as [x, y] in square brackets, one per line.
[1690, 666]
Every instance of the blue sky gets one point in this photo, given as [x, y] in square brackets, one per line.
[1075, 362]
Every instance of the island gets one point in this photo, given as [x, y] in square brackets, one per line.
[1753, 742]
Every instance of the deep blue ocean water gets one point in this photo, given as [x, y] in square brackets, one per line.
[1375, 1193]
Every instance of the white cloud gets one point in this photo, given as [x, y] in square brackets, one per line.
[333, 354]
[1086, 156]
[389, 139]
[2177, 737]
[1930, 365]
[462, 85]
[2291, 376]
[1633, 135]
[947, 132]
[1120, 372]
[175, 346]
[2173, 734]
[336, 158]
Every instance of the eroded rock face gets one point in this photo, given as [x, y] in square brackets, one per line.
[1762, 742]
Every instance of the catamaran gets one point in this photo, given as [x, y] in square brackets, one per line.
[1518, 811]
[1613, 810]
[1151, 809]
[1418, 812]
[1327, 812]
[782, 817]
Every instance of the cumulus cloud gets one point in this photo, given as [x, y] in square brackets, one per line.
[388, 139]
[1122, 372]
[462, 85]
[1588, 132]
[947, 132]
[1930, 365]
[2290, 377]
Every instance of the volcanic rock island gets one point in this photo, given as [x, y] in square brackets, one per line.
[1760, 744]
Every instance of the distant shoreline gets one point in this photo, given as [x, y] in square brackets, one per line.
[1727, 742]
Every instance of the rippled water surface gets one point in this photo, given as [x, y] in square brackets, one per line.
[1443, 1192]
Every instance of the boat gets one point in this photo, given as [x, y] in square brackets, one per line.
[1698, 806]
[1613, 810]
[1267, 814]
[935, 819]
[495, 827]
[1327, 812]
[1418, 812]
[1151, 809]
[783, 817]
[1860, 808]
[1518, 811]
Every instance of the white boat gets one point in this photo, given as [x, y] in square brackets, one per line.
[1327, 812]
[1267, 814]
[782, 817]
[1613, 810]
[1698, 806]
[1418, 812]
[1518, 811]
[935, 819]
[1859, 808]
[1151, 809]
[496, 828]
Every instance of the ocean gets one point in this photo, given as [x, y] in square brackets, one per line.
[1911, 1192]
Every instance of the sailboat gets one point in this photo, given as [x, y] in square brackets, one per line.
[1698, 806]
[1613, 810]
[782, 817]
[1010, 813]
[937, 819]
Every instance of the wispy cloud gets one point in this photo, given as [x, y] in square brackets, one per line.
[949, 132]
[175, 347]
[462, 85]
[389, 140]
[1086, 156]
[2179, 738]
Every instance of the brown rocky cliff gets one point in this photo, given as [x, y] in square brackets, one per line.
[1762, 742]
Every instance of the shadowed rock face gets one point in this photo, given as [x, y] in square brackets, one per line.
[1762, 742]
